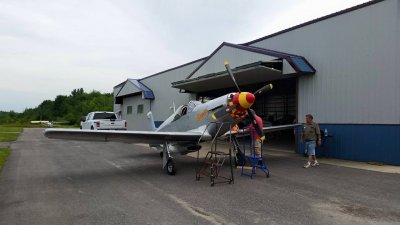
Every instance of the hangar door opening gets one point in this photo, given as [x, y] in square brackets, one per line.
[275, 107]
[279, 107]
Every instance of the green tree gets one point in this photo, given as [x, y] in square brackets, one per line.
[63, 108]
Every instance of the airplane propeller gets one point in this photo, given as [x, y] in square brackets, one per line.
[244, 101]
[228, 68]
[264, 88]
[267, 87]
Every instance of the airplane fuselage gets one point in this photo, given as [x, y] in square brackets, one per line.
[196, 116]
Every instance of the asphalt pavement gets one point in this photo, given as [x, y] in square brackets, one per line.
[69, 182]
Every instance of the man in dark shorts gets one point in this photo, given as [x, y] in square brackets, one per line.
[311, 135]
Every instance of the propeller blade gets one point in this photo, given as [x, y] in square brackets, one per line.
[228, 69]
[255, 124]
[267, 87]
[223, 112]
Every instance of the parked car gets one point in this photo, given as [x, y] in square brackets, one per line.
[102, 121]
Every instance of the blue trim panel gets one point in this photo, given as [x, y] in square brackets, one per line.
[302, 64]
[147, 93]
[359, 142]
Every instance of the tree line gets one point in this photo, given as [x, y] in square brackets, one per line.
[63, 108]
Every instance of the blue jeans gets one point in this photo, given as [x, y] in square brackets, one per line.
[310, 147]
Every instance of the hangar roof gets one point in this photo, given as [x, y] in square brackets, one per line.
[133, 87]
[298, 63]
[253, 65]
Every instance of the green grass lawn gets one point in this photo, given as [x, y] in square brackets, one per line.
[7, 137]
[10, 128]
[9, 133]
[4, 152]
[19, 127]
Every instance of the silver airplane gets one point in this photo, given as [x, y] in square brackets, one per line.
[186, 128]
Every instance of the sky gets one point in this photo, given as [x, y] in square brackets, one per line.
[50, 47]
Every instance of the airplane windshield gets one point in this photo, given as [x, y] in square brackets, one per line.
[184, 110]
[191, 105]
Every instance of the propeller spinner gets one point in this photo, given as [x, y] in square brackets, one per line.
[243, 100]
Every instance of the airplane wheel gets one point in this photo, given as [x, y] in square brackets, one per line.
[92, 128]
[171, 167]
[80, 127]
[161, 154]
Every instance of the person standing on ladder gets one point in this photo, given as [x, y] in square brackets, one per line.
[311, 135]
[256, 139]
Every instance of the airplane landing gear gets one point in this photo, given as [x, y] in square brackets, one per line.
[168, 161]
[171, 166]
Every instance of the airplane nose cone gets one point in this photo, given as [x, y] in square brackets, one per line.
[246, 99]
[250, 98]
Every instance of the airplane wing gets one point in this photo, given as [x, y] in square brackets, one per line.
[144, 137]
[269, 129]
[280, 127]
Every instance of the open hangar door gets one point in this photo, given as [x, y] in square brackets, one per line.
[275, 107]
[279, 107]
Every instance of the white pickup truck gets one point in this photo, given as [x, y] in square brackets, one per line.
[102, 121]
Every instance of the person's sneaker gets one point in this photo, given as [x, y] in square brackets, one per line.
[315, 163]
[307, 165]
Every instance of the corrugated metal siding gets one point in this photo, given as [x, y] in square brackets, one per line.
[164, 94]
[136, 121]
[369, 143]
[128, 89]
[116, 90]
[357, 57]
[236, 57]
[116, 107]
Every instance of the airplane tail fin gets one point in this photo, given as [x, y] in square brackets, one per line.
[151, 123]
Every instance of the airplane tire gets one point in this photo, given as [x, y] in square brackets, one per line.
[161, 154]
[92, 128]
[170, 167]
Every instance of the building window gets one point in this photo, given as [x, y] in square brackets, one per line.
[140, 109]
[129, 110]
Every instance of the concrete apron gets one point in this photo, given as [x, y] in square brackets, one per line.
[290, 154]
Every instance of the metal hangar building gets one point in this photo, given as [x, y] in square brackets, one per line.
[342, 68]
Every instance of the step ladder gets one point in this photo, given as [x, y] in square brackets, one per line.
[250, 158]
[212, 165]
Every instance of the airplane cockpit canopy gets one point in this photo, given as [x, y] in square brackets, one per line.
[184, 110]
[192, 105]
